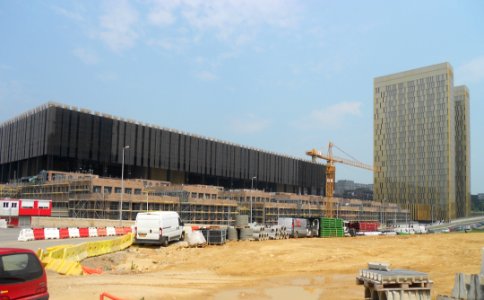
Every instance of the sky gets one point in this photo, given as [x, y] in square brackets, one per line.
[283, 76]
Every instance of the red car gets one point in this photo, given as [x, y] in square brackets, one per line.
[22, 276]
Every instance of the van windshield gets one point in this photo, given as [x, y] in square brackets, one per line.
[19, 267]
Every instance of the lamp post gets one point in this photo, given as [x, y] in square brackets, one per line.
[251, 189]
[122, 187]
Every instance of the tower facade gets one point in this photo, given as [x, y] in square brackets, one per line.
[462, 151]
[414, 141]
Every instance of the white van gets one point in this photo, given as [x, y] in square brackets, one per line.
[295, 227]
[158, 227]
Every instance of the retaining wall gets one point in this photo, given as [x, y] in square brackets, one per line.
[76, 222]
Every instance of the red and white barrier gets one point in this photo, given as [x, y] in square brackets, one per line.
[110, 231]
[84, 232]
[39, 233]
[26, 235]
[31, 234]
[64, 233]
[101, 231]
[51, 233]
[92, 232]
[74, 232]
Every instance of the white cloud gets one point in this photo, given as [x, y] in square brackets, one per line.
[87, 56]
[73, 15]
[206, 75]
[330, 117]
[174, 44]
[231, 20]
[472, 71]
[249, 124]
[118, 25]
[162, 12]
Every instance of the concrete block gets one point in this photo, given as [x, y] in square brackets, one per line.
[475, 288]
[482, 261]
[382, 266]
[459, 291]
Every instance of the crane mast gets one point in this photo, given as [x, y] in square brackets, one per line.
[331, 171]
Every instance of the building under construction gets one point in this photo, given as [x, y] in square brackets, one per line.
[90, 196]
[69, 139]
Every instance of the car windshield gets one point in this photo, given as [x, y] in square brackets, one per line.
[19, 267]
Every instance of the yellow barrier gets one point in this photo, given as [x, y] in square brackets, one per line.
[66, 259]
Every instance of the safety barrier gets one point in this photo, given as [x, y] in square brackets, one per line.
[63, 233]
[84, 232]
[66, 259]
[39, 233]
[101, 231]
[74, 232]
[71, 232]
[26, 235]
[110, 231]
[51, 233]
[119, 230]
[93, 232]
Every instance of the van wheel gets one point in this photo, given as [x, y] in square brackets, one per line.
[182, 236]
[164, 241]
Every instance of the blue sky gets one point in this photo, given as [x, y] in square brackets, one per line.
[284, 76]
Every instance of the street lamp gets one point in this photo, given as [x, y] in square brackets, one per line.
[251, 188]
[122, 187]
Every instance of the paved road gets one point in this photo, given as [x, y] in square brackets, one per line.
[8, 238]
[458, 223]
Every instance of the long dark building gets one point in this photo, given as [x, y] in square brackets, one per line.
[64, 138]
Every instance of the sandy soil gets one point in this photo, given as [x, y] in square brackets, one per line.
[282, 269]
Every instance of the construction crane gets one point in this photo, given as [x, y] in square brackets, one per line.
[331, 170]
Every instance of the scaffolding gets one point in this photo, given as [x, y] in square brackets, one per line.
[9, 191]
[201, 204]
[88, 196]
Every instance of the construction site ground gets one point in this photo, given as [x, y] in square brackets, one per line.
[311, 268]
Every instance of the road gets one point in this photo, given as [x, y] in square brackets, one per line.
[458, 223]
[8, 238]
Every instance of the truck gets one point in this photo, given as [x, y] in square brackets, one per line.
[158, 227]
[363, 226]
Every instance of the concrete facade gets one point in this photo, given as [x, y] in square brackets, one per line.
[414, 141]
[462, 151]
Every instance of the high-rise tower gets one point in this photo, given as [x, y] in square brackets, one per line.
[414, 141]
[462, 151]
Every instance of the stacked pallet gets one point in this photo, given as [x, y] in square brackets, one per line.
[215, 236]
[381, 282]
[331, 227]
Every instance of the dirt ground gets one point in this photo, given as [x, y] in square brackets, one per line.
[282, 269]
